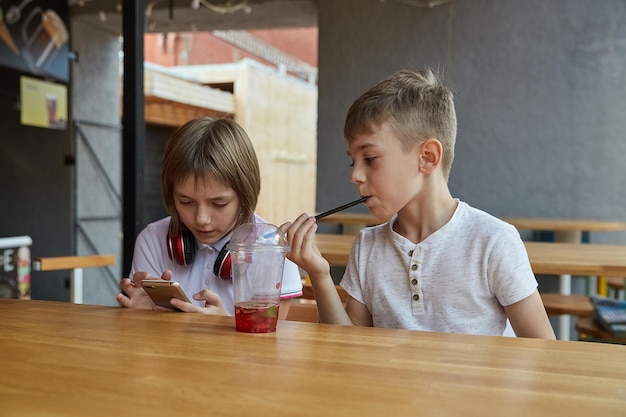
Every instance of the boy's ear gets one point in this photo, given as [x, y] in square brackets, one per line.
[431, 154]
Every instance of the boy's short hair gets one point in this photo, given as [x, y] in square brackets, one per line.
[417, 107]
[216, 149]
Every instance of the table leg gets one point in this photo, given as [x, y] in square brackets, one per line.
[565, 281]
[76, 286]
[565, 287]
[602, 288]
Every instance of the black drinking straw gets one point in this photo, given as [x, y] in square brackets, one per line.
[340, 208]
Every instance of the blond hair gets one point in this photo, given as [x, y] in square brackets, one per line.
[417, 107]
[211, 149]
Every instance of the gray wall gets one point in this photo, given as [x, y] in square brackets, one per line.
[540, 94]
[98, 185]
[96, 94]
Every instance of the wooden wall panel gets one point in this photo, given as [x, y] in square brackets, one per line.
[170, 113]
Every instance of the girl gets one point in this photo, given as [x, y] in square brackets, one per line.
[211, 181]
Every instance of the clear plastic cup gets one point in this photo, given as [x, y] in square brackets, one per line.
[257, 252]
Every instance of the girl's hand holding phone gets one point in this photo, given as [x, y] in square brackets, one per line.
[212, 304]
[133, 294]
[162, 292]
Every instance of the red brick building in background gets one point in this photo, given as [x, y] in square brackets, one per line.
[201, 48]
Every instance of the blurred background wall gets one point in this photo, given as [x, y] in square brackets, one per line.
[540, 97]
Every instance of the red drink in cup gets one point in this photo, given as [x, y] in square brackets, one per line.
[256, 317]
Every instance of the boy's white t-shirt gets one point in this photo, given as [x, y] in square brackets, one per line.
[456, 280]
[150, 255]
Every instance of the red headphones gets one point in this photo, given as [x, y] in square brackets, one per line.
[181, 249]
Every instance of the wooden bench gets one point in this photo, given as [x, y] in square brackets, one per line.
[588, 330]
[570, 304]
[573, 304]
[305, 307]
[302, 309]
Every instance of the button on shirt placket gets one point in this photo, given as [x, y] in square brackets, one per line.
[414, 282]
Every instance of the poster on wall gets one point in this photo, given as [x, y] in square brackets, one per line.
[15, 267]
[34, 37]
[43, 104]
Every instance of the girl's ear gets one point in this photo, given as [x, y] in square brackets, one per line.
[430, 156]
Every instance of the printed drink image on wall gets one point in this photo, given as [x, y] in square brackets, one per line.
[43, 104]
[34, 37]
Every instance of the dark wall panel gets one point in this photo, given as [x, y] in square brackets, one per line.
[156, 137]
[36, 188]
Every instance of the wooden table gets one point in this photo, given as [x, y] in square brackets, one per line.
[351, 222]
[346, 217]
[545, 258]
[566, 230]
[64, 359]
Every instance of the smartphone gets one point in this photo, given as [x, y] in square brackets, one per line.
[162, 292]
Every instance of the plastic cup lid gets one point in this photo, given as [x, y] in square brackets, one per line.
[258, 236]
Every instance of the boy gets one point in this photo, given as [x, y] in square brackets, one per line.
[438, 264]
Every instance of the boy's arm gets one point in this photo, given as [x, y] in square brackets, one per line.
[303, 252]
[529, 319]
[331, 309]
[329, 305]
[358, 313]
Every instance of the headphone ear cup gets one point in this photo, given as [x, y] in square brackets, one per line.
[222, 266]
[181, 248]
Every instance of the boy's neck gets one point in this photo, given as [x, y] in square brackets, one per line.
[426, 214]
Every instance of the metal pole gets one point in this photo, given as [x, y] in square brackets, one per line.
[134, 129]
